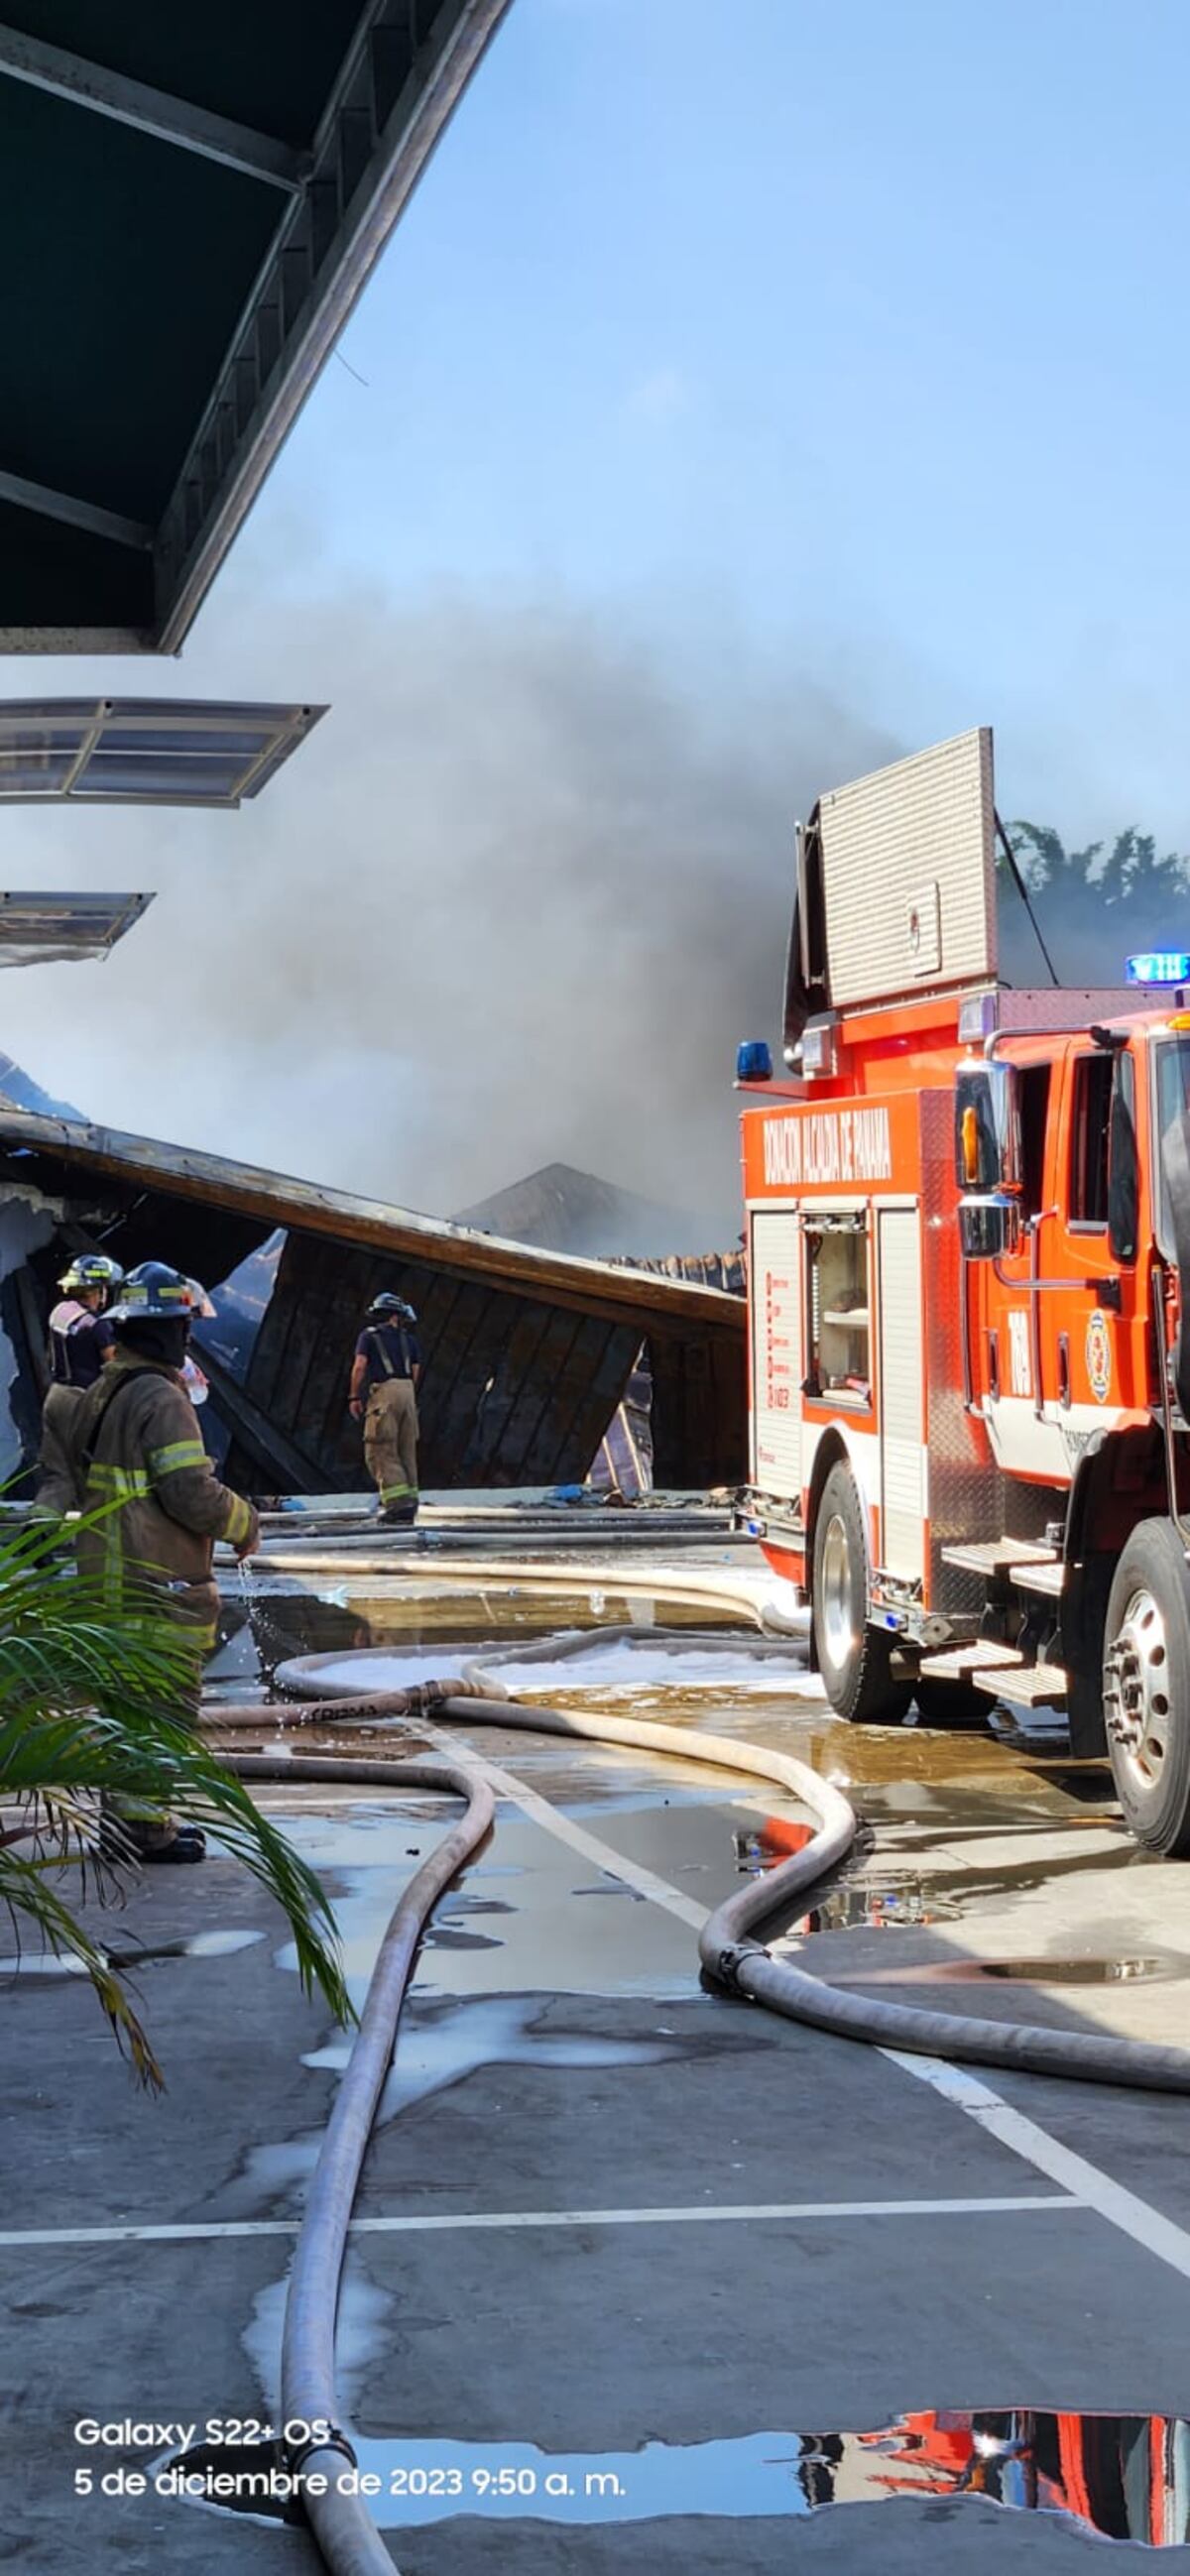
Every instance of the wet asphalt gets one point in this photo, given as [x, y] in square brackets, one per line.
[619, 2233]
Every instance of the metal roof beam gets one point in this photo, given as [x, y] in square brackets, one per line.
[151, 111]
[73, 513]
[392, 100]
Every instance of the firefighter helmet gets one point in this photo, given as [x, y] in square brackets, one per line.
[391, 1309]
[153, 1289]
[92, 1270]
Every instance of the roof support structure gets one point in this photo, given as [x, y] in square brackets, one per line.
[291, 1468]
[73, 513]
[388, 109]
[170, 120]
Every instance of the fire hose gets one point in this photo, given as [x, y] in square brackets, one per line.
[730, 1955]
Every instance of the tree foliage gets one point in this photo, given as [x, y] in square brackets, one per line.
[88, 1702]
[1095, 905]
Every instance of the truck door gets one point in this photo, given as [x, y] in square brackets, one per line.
[1087, 1244]
[1003, 1322]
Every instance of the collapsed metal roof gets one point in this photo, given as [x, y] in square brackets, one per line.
[199, 199]
[527, 1352]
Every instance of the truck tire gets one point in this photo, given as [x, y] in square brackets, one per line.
[955, 1704]
[1146, 1687]
[852, 1657]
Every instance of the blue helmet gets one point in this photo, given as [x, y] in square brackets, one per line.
[92, 1270]
[153, 1289]
[391, 1309]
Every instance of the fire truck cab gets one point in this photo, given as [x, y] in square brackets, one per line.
[968, 1229]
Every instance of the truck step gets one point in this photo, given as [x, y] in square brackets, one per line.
[999, 1555]
[1038, 1578]
[1033, 1686]
[961, 1663]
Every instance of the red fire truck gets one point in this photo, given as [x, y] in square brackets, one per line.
[968, 1225]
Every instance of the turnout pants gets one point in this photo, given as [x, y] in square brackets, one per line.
[390, 1444]
[55, 1475]
[193, 1608]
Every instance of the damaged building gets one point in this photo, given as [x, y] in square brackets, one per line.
[527, 1351]
[565, 1210]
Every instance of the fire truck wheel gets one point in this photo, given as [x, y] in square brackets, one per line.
[954, 1704]
[853, 1658]
[1146, 1687]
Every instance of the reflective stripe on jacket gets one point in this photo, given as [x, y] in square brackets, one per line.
[136, 1449]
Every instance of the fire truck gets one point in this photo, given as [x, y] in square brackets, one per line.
[968, 1232]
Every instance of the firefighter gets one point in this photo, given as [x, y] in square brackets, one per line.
[384, 1380]
[80, 1342]
[135, 1448]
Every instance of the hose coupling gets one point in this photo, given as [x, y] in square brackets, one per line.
[728, 1962]
[321, 2437]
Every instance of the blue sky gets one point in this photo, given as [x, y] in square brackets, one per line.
[854, 334]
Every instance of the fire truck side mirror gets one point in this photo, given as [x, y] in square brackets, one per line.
[986, 1128]
[989, 1226]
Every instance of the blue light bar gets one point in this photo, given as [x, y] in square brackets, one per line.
[1159, 966]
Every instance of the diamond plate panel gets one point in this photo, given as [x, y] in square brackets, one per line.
[909, 874]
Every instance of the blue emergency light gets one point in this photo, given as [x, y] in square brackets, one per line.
[1159, 966]
[753, 1061]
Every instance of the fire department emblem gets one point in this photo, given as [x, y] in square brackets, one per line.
[1099, 1356]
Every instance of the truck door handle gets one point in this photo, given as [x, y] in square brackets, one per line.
[994, 1366]
[1064, 1368]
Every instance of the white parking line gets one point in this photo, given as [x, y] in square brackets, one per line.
[744, 2213]
[632, 1872]
[1121, 2208]
[1095, 2190]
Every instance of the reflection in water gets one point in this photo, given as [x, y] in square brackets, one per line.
[1121, 2477]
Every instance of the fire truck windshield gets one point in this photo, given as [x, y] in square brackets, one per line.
[1173, 1103]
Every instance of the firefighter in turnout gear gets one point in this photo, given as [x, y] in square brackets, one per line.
[137, 1458]
[80, 1342]
[384, 1380]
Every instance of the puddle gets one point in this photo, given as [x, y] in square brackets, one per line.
[269, 1619]
[441, 2042]
[363, 2328]
[194, 1945]
[1030, 1972]
[1116, 2477]
[542, 1942]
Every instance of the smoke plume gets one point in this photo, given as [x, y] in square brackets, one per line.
[515, 901]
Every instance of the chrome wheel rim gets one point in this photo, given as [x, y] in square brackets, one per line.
[838, 1626]
[1136, 1693]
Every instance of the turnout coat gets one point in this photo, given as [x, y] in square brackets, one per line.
[137, 1456]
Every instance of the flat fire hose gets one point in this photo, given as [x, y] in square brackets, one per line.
[340, 2521]
[346, 2535]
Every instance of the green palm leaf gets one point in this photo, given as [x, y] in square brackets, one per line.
[88, 1710]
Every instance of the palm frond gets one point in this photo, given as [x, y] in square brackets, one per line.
[27, 1899]
[89, 1700]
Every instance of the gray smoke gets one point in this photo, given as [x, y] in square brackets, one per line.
[514, 902]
